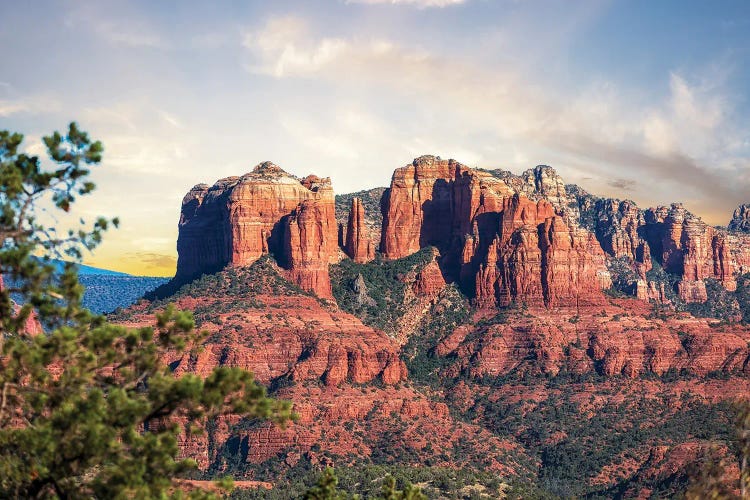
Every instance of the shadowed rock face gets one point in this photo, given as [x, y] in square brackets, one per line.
[498, 234]
[238, 219]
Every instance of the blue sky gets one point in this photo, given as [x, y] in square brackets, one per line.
[645, 100]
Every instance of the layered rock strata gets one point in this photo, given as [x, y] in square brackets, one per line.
[238, 219]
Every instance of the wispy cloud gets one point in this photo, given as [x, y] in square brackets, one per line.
[171, 119]
[154, 260]
[685, 140]
[29, 105]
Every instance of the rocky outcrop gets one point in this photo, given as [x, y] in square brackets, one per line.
[538, 259]
[238, 219]
[497, 233]
[617, 229]
[651, 290]
[611, 340]
[310, 245]
[371, 200]
[740, 219]
[693, 250]
[358, 245]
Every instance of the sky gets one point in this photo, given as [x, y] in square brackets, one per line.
[646, 100]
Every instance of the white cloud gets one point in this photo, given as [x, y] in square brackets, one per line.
[35, 104]
[421, 4]
[171, 119]
[680, 141]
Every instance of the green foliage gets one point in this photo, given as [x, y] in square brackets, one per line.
[449, 312]
[89, 409]
[721, 304]
[571, 447]
[623, 277]
[385, 285]
[325, 489]
[380, 482]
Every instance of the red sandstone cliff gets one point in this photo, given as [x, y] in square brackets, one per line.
[238, 219]
[619, 339]
[358, 245]
[500, 244]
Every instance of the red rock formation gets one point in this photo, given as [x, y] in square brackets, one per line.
[238, 219]
[740, 219]
[498, 243]
[310, 245]
[358, 245]
[693, 250]
[617, 231]
[435, 202]
[537, 259]
[611, 340]
[651, 290]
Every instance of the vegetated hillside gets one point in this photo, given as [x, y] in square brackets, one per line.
[107, 292]
[351, 390]
[377, 292]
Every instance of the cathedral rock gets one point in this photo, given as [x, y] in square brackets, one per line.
[239, 219]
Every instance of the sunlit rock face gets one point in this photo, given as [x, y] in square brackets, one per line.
[358, 245]
[238, 219]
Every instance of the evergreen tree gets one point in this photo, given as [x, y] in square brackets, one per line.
[88, 408]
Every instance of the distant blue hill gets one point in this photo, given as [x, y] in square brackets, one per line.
[86, 270]
[106, 291]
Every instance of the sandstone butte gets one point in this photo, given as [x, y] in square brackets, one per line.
[239, 219]
[358, 245]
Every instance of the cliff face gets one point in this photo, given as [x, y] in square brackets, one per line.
[499, 235]
[310, 245]
[616, 339]
[358, 245]
[238, 219]
[502, 251]
[693, 250]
